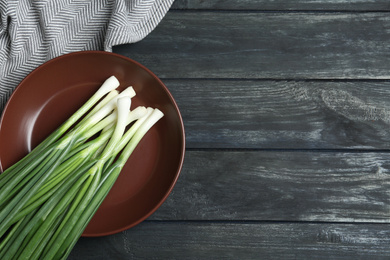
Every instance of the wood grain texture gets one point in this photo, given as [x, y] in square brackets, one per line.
[284, 114]
[281, 186]
[282, 5]
[267, 45]
[155, 240]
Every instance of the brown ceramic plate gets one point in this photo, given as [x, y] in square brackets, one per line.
[53, 91]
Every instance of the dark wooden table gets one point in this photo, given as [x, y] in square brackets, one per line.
[286, 106]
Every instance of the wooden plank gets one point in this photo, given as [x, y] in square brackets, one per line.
[284, 114]
[178, 240]
[282, 5]
[266, 45]
[281, 186]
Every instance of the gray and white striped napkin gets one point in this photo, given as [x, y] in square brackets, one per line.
[35, 31]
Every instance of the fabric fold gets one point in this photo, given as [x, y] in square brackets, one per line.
[35, 31]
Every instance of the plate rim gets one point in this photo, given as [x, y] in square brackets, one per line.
[172, 101]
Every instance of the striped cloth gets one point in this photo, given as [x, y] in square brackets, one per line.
[35, 31]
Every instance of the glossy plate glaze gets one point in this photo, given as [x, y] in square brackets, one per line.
[53, 91]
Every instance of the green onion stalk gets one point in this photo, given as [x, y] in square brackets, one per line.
[48, 197]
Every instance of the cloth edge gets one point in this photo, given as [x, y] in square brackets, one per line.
[127, 34]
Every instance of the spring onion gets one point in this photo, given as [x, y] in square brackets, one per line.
[48, 197]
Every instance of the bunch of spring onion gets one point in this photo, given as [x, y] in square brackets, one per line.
[48, 197]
